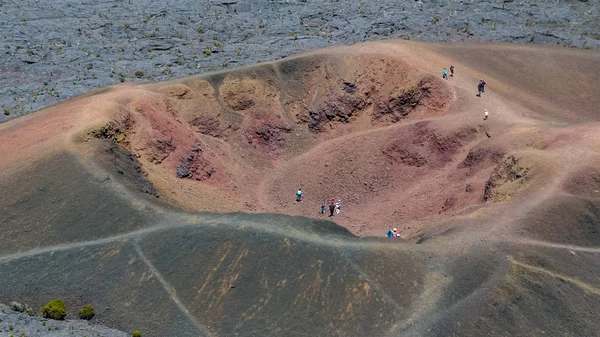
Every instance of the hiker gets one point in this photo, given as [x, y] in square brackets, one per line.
[331, 208]
[486, 114]
[451, 70]
[445, 74]
[323, 208]
[395, 233]
[480, 88]
[338, 207]
[389, 234]
[299, 195]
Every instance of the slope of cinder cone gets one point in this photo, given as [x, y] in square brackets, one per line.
[499, 217]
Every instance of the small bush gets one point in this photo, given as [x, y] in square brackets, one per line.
[136, 333]
[139, 74]
[55, 310]
[87, 312]
[11, 327]
[6, 112]
[16, 306]
[436, 19]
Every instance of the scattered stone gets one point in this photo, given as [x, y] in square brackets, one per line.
[79, 48]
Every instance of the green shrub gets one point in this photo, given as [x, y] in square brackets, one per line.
[55, 310]
[87, 312]
[136, 333]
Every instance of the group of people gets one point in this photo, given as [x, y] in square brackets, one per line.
[334, 207]
[445, 72]
[480, 87]
[392, 234]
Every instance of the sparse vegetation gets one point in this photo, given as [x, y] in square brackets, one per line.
[139, 74]
[11, 327]
[55, 309]
[436, 19]
[16, 306]
[87, 312]
[136, 333]
[127, 26]
[529, 22]
[6, 112]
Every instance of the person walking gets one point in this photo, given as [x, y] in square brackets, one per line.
[480, 88]
[485, 112]
[451, 70]
[299, 195]
[323, 208]
[483, 85]
[445, 73]
[338, 207]
[331, 208]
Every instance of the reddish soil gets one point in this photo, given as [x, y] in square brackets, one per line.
[373, 125]
[499, 219]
